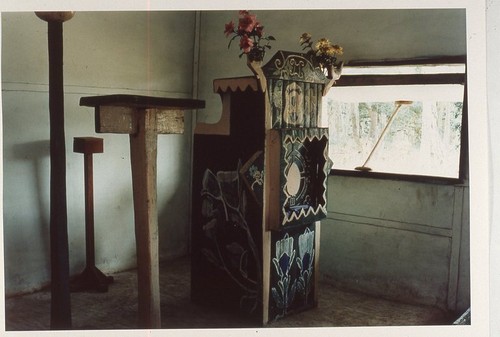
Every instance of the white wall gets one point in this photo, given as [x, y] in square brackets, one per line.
[406, 241]
[104, 53]
[399, 240]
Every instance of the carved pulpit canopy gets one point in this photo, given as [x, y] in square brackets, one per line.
[291, 66]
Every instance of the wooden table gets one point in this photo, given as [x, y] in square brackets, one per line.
[143, 117]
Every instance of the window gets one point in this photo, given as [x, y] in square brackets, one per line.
[400, 120]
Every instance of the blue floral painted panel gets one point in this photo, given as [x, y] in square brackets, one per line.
[292, 271]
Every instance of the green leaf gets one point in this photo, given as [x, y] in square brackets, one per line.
[270, 37]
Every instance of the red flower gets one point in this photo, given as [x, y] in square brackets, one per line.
[246, 44]
[247, 22]
[251, 35]
[229, 28]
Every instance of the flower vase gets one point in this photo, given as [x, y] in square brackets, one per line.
[329, 71]
[333, 74]
[256, 68]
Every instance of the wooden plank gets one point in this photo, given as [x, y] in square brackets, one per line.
[369, 80]
[398, 177]
[142, 102]
[412, 61]
[272, 206]
[169, 121]
[143, 152]
[115, 119]
[121, 119]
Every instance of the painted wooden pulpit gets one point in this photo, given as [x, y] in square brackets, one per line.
[259, 191]
[143, 118]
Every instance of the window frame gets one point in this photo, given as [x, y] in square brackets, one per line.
[390, 79]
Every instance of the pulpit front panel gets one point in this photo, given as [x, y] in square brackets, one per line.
[227, 210]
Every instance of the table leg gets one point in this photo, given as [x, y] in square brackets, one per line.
[143, 152]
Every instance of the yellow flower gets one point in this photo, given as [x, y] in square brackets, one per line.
[329, 51]
[323, 53]
[338, 49]
[322, 44]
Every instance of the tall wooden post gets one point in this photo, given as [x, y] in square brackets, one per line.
[60, 315]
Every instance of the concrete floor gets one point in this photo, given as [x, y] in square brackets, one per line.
[117, 309]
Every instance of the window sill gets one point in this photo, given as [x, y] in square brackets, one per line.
[399, 177]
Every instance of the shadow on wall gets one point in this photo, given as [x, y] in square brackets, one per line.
[36, 153]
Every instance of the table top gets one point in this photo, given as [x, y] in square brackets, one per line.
[139, 101]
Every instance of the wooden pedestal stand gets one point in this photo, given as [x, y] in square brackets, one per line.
[91, 278]
[60, 314]
[143, 118]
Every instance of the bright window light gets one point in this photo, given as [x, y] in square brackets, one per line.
[423, 136]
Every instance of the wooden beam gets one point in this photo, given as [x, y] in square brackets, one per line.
[372, 80]
[435, 60]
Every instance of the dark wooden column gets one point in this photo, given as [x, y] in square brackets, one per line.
[60, 317]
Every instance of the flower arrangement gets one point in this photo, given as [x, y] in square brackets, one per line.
[251, 34]
[323, 52]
